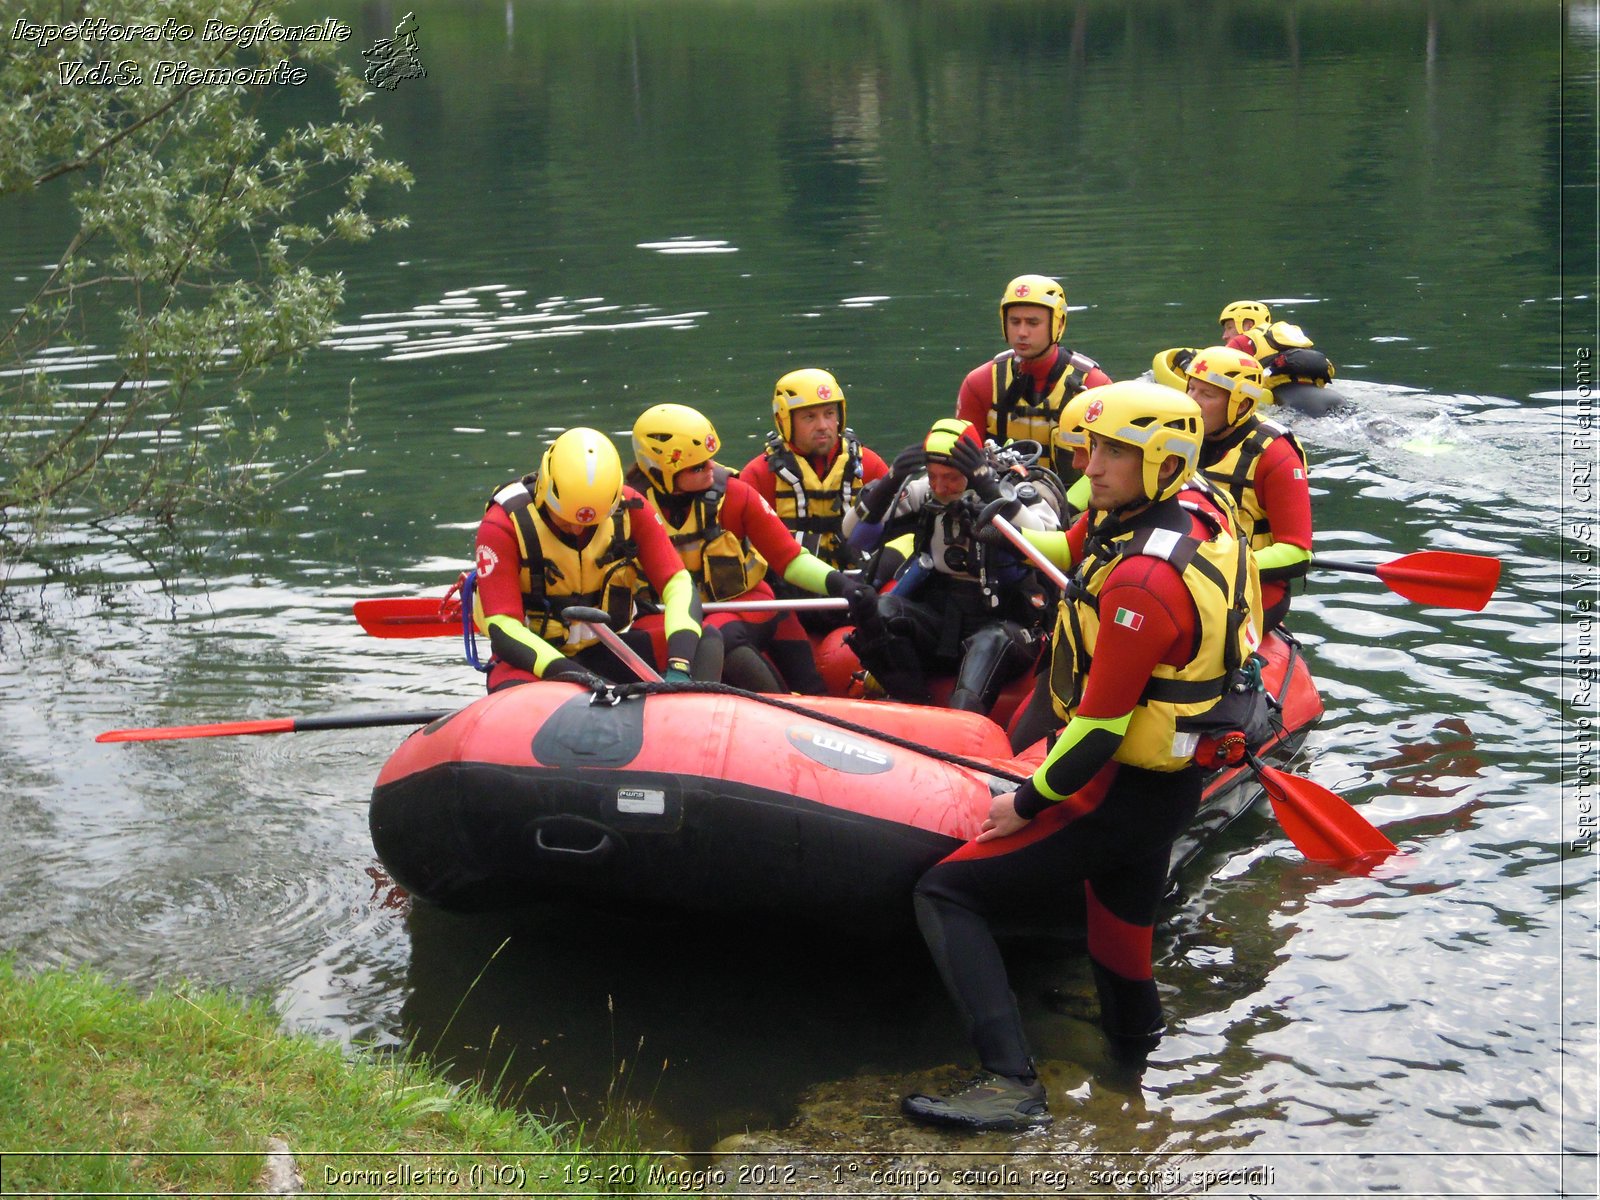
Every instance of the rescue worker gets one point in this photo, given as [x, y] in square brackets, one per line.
[1156, 620]
[1241, 316]
[1038, 717]
[976, 612]
[1020, 393]
[1259, 464]
[811, 471]
[1286, 355]
[732, 542]
[573, 534]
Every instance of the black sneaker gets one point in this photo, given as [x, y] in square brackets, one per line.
[987, 1102]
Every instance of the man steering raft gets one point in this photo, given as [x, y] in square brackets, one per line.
[1162, 608]
[574, 535]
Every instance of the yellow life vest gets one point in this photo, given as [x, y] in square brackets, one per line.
[724, 565]
[1221, 577]
[1233, 471]
[555, 575]
[813, 508]
[1019, 410]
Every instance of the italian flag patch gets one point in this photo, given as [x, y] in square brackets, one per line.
[1129, 619]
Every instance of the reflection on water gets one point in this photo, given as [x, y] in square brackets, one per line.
[594, 232]
[491, 317]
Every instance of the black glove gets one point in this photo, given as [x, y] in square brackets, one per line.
[860, 596]
[983, 527]
[973, 462]
[907, 463]
[989, 535]
[564, 670]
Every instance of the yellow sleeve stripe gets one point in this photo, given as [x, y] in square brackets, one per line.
[676, 599]
[1078, 731]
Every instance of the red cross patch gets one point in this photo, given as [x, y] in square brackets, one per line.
[586, 516]
[824, 392]
[711, 442]
[487, 560]
[1022, 289]
[1092, 413]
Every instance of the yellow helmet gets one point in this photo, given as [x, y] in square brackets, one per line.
[1166, 367]
[805, 388]
[1236, 373]
[1240, 311]
[944, 435]
[1161, 422]
[1040, 290]
[580, 477]
[669, 438]
[1069, 433]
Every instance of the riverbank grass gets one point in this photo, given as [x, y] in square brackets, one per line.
[102, 1090]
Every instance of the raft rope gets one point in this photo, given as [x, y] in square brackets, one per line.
[625, 690]
[614, 692]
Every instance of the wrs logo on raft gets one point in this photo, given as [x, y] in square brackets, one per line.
[839, 751]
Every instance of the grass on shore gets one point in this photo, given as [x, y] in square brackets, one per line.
[105, 1091]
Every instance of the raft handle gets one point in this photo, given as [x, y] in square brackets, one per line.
[604, 845]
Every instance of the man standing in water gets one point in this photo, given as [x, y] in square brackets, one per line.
[1157, 619]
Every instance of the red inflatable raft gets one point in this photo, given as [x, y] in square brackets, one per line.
[719, 802]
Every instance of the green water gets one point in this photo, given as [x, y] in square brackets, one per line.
[619, 204]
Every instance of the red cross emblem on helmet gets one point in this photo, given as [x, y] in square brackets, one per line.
[824, 392]
[1092, 413]
[1201, 367]
[711, 443]
[1022, 289]
[676, 455]
[586, 516]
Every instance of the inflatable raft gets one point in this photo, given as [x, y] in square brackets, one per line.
[717, 801]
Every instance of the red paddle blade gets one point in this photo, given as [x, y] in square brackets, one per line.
[172, 733]
[1321, 824]
[1443, 578]
[409, 617]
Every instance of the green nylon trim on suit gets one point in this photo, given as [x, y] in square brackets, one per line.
[1072, 738]
[1052, 543]
[808, 572]
[680, 604]
[1281, 554]
[1078, 494]
[542, 652]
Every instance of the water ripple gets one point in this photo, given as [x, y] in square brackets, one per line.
[492, 317]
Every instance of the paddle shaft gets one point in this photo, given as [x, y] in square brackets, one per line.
[1029, 551]
[1354, 568]
[599, 621]
[170, 733]
[413, 617]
